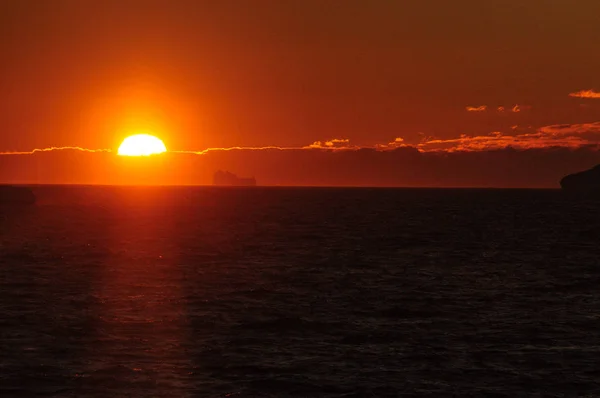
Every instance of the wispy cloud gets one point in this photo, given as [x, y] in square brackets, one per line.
[51, 149]
[481, 108]
[514, 109]
[397, 143]
[588, 130]
[335, 143]
[519, 108]
[233, 148]
[569, 136]
[585, 94]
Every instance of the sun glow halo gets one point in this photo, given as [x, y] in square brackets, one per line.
[141, 145]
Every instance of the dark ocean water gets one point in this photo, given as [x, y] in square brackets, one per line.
[277, 292]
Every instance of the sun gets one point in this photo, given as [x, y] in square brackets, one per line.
[141, 145]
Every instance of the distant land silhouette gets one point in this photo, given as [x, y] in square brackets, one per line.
[588, 180]
[225, 178]
[402, 167]
[16, 195]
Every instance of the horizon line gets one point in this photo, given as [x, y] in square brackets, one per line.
[276, 186]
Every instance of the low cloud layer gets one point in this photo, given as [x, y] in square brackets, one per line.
[567, 136]
[402, 166]
[526, 157]
[559, 135]
[564, 135]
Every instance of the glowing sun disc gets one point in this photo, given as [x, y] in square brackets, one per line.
[141, 145]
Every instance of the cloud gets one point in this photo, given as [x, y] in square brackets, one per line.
[233, 148]
[522, 157]
[520, 137]
[401, 166]
[570, 129]
[481, 108]
[51, 149]
[585, 94]
[335, 143]
[397, 143]
[514, 109]
[566, 135]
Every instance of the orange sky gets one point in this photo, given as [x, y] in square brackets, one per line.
[288, 73]
[433, 74]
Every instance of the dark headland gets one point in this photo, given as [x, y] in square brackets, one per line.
[16, 195]
[584, 181]
[225, 178]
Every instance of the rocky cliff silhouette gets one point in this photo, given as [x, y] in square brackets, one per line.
[584, 181]
[225, 178]
[16, 195]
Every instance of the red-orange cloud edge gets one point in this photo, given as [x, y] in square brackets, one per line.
[585, 94]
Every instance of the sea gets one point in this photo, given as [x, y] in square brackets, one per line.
[299, 292]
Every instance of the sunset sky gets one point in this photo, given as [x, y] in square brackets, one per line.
[431, 74]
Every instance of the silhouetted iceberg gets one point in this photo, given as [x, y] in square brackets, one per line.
[226, 178]
[16, 195]
[584, 181]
